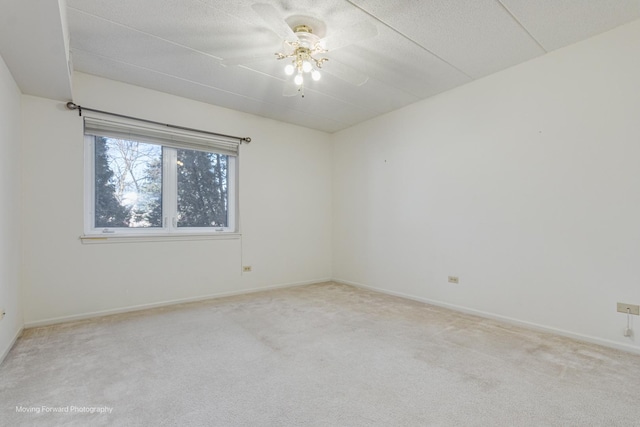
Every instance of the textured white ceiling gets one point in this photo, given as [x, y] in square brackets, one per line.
[420, 48]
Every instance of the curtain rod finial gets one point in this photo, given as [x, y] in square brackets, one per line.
[72, 106]
[247, 140]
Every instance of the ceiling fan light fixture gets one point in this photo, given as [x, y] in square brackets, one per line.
[289, 69]
[305, 54]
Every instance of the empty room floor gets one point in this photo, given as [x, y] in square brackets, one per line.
[317, 355]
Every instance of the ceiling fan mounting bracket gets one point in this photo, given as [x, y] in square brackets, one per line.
[302, 29]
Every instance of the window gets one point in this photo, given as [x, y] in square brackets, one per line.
[145, 180]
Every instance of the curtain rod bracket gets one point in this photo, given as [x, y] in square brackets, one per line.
[74, 106]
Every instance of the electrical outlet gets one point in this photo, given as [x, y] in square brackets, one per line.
[246, 269]
[629, 308]
[454, 279]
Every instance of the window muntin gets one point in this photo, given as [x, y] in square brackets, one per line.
[137, 187]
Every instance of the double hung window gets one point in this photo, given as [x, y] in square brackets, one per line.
[144, 179]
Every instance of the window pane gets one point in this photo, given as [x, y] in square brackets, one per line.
[202, 189]
[128, 183]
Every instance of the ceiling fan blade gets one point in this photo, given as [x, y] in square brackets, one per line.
[248, 59]
[344, 37]
[344, 72]
[271, 17]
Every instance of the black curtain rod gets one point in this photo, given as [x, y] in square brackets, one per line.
[72, 106]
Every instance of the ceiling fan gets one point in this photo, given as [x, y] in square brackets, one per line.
[304, 50]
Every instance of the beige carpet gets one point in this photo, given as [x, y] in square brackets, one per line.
[319, 355]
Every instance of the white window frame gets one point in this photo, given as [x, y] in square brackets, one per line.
[169, 190]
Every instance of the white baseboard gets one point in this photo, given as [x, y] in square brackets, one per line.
[11, 344]
[89, 315]
[510, 320]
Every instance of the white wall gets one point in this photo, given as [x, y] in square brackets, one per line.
[285, 211]
[10, 300]
[525, 184]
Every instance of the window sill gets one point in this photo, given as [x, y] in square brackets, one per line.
[98, 239]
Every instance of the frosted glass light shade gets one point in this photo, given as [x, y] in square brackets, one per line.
[288, 70]
[306, 66]
[315, 75]
[298, 79]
